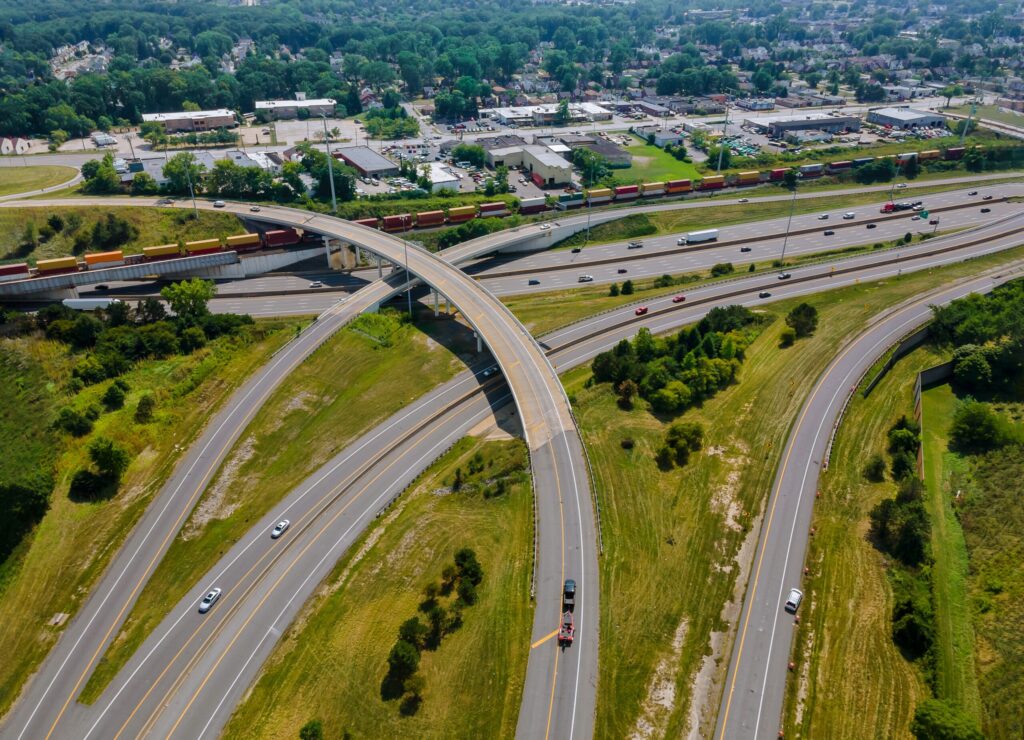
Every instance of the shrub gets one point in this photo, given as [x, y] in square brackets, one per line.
[113, 398]
[614, 290]
[787, 337]
[803, 319]
[73, 422]
[191, 339]
[680, 440]
[144, 409]
[627, 288]
[110, 458]
[874, 469]
[977, 428]
[934, 719]
[627, 443]
[722, 268]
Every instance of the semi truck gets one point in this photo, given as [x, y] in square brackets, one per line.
[696, 237]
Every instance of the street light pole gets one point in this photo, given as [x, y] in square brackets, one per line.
[330, 165]
[721, 144]
[188, 177]
[408, 281]
[792, 207]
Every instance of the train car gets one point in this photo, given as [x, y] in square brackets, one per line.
[905, 157]
[280, 238]
[533, 205]
[651, 189]
[17, 271]
[678, 186]
[751, 177]
[929, 154]
[840, 166]
[712, 182]
[203, 246]
[429, 218]
[955, 152]
[778, 173]
[489, 210]
[861, 161]
[243, 242]
[460, 214]
[397, 222]
[99, 260]
[372, 223]
[597, 196]
[812, 170]
[57, 266]
[627, 192]
[163, 252]
[567, 201]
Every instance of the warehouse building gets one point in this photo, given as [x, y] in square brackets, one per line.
[905, 118]
[199, 120]
[778, 127]
[366, 161]
[277, 110]
[441, 178]
[547, 168]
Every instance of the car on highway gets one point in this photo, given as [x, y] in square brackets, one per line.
[764, 294]
[973, 192]
[986, 210]
[533, 281]
[678, 298]
[585, 279]
[622, 271]
[823, 217]
[794, 599]
[641, 311]
[849, 215]
[545, 227]
[489, 371]
[569, 594]
[209, 600]
[316, 284]
[577, 250]
[916, 218]
[917, 207]
[164, 202]
[635, 245]
[872, 226]
[934, 222]
[681, 241]
[101, 287]
[784, 276]
[219, 204]
[986, 197]
[743, 200]
[745, 249]
[901, 186]
[830, 233]
[254, 209]
[279, 528]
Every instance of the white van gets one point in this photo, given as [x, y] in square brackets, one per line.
[849, 216]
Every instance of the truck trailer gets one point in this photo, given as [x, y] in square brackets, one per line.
[696, 237]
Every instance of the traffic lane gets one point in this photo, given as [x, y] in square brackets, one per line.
[753, 701]
[63, 672]
[768, 249]
[209, 692]
[863, 215]
[160, 650]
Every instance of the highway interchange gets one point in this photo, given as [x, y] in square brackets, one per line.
[181, 663]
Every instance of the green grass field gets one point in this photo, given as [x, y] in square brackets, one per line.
[26, 179]
[954, 635]
[55, 567]
[651, 164]
[346, 388]
[993, 113]
[850, 679]
[330, 664]
[155, 225]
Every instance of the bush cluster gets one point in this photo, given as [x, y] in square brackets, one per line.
[680, 440]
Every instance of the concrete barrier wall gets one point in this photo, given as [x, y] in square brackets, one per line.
[539, 240]
[904, 347]
[261, 263]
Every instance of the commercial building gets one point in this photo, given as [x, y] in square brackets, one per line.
[905, 118]
[756, 103]
[441, 178]
[366, 161]
[546, 167]
[199, 120]
[546, 115]
[100, 138]
[662, 136]
[779, 127]
[275, 110]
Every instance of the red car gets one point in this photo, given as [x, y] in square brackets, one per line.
[641, 311]
[678, 299]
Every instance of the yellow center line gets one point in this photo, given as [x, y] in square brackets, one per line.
[544, 639]
[561, 526]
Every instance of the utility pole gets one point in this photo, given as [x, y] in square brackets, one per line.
[792, 207]
[330, 165]
[408, 280]
[188, 177]
[721, 144]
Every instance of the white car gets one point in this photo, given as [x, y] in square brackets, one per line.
[850, 215]
[219, 204]
[279, 528]
[209, 600]
[823, 217]
[586, 279]
[901, 186]
[744, 200]
[793, 602]
[545, 227]
[316, 284]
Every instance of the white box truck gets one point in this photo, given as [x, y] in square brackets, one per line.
[696, 237]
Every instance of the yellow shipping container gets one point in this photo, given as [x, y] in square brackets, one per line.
[162, 251]
[929, 154]
[99, 258]
[58, 263]
[241, 240]
[712, 179]
[202, 244]
[653, 187]
[461, 211]
[750, 176]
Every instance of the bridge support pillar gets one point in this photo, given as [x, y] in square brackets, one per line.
[380, 267]
[435, 303]
[479, 344]
[359, 256]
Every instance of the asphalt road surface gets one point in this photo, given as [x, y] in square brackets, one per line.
[755, 686]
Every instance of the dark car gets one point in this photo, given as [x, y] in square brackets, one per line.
[830, 233]
[577, 250]
[764, 294]
[784, 276]
[973, 192]
[744, 249]
[489, 371]
[872, 226]
[569, 595]
[986, 210]
[533, 281]
[102, 287]
[986, 197]
[622, 271]
[934, 221]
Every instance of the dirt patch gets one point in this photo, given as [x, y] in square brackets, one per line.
[57, 619]
[661, 692]
[723, 499]
[805, 678]
[214, 504]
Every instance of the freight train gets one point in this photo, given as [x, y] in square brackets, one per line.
[241, 243]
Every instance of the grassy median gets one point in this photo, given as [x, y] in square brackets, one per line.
[43, 582]
[361, 376]
[331, 663]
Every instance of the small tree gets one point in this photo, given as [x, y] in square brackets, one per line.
[627, 288]
[189, 299]
[312, 730]
[874, 470]
[113, 398]
[628, 390]
[787, 337]
[614, 290]
[144, 409]
[110, 458]
[403, 660]
[803, 319]
[934, 719]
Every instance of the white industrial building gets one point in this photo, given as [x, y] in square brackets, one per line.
[271, 110]
[441, 178]
[906, 118]
[547, 167]
[546, 115]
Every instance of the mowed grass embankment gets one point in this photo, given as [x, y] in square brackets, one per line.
[360, 377]
[692, 219]
[955, 679]
[850, 679]
[676, 543]
[45, 580]
[20, 243]
[651, 164]
[28, 179]
[329, 665]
